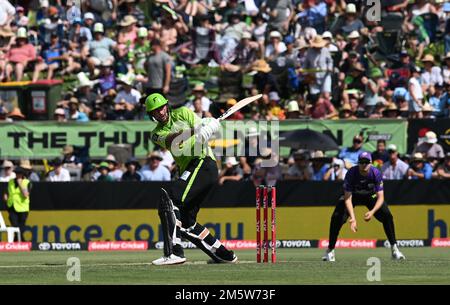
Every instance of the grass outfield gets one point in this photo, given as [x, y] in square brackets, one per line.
[295, 266]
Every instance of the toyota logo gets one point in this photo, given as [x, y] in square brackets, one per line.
[44, 246]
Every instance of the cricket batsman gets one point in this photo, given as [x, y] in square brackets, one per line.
[181, 131]
[363, 184]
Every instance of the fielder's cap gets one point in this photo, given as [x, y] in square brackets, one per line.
[431, 137]
[392, 147]
[365, 156]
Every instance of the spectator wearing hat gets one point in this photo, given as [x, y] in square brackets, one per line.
[98, 50]
[336, 172]
[51, 25]
[159, 69]
[419, 168]
[313, 14]
[52, 59]
[138, 55]
[373, 84]
[132, 172]
[429, 147]
[238, 114]
[103, 172]
[15, 115]
[355, 44]
[416, 94]
[347, 113]
[263, 81]
[85, 93]
[199, 93]
[331, 46]
[438, 101]
[17, 199]
[107, 79]
[69, 159]
[59, 115]
[427, 111]
[443, 171]
[59, 173]
[246, 53]
[318, 58]
[275, 47]
[301, 169]
[73, 12]
[431, 74]
[88, 24]
[274, 111]
[319, 165]
[394, 168]
[293, 111]
[127, 99]
[115, 170]
[391, 111]
[128, 33]
[20, 19]
[154, 170]
[350, 154]
[19, 56]
[30, 173]
[352, 22]
[74, 113]
[232, 171]
[7, 172]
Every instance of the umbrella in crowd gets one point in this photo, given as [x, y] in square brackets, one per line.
[307, 139]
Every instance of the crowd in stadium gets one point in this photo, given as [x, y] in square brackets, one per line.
[310, 58]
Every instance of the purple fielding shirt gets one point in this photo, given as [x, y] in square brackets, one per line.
[358, 184]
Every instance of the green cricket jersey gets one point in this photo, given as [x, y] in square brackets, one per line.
[181, 119]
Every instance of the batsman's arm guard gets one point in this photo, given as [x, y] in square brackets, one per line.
[169, 216]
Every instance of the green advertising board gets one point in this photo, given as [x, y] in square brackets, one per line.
[46, 139]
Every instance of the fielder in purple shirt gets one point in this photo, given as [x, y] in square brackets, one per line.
[363, 185]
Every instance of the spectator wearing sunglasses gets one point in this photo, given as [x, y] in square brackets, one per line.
[350, 154]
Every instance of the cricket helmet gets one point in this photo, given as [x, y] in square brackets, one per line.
[154, 101]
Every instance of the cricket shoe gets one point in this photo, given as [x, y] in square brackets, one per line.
[223, 256]
[169, 260]
[396, 254]
[329, 256]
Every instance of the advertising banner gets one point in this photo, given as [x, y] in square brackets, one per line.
[293, 223]
[46, 139]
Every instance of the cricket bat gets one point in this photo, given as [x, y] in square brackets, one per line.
[239, 105]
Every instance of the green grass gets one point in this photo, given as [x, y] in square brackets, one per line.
[295, 266]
